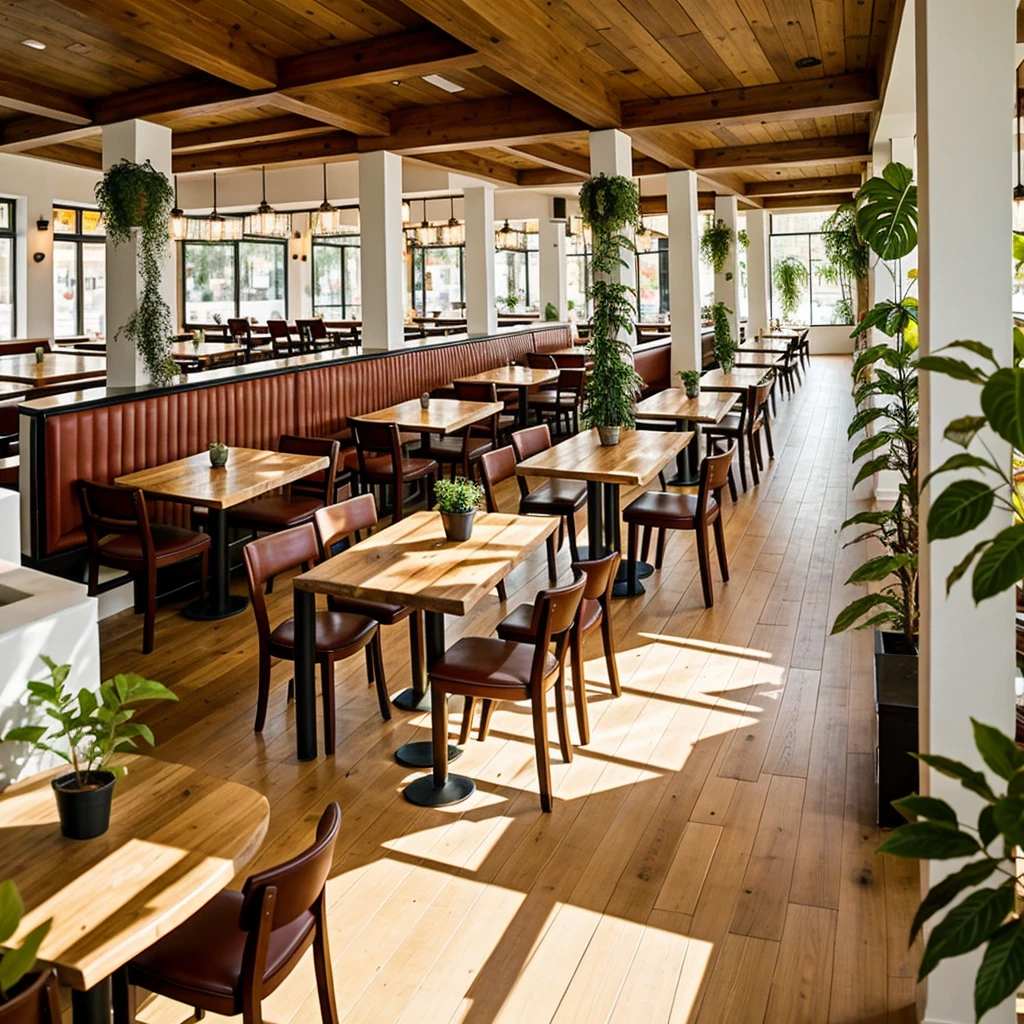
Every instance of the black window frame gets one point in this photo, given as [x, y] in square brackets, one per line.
[810, 275]
[11, 232]
[79, 238]
[417, 253]
[237, 289]
[336, 242]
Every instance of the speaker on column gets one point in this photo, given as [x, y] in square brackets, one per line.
[558, 208]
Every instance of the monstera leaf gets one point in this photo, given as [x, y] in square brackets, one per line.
[887, 212]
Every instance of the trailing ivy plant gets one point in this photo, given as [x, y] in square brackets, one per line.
[789, 275]
[725, 344]
[714, 245]
[743, 238]
[848, 254]
[139, 196]
[886, 212]
[610, 205]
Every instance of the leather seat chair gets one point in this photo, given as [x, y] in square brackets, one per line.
[743, 429]
[241, 946]
[339, 635]
[496, 670]
[120, 536]
[563, 402]
[281, 339]
[380, 461]
[657, 510]
[462, 451]
[316, 329]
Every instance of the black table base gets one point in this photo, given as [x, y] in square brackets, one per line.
[421, 754]
[220, 602]
[93, 1005]
[425, 793]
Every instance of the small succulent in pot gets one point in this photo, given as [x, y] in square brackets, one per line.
[425, 400]
[691, 382]
[218, 454]
[39, 352]
[457, 501]
[198, 337]
[16, 984]
[91, 728]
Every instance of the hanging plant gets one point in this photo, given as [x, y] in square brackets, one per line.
[132, 196]
[789, 275]
[714, 245]
[743, 238]
[610, 205]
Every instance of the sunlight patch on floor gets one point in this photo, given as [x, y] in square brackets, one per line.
[709, 646]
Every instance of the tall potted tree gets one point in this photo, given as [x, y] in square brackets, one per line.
[850, 257]
[133, 197]
[609, 205]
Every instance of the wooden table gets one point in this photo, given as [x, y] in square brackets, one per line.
[753, 360]
[672, 406]
[411, 563]
[522, 378]
[206, 352]
[764, 345]
[8, 389]
[635, 461]
[56, 368]
[442, 416]
[249, 473]
[177, 837]
[738, 380]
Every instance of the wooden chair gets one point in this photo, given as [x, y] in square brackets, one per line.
[240, 947]
[803, 346]
[316, 329]
[281, 339]
[120, 536]
[789, 368]
[496, 670]
[656, 510]
[339, 635]
[380, 461]
[240, 331]
[564, 400]
[462, 451]
[479, 391]
[744, 430]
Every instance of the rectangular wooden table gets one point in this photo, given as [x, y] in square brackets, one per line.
[207, 352]
[56, 368]
[753, 360]
[775, 346]
[249, 473]
[411, 563]
[522, 378]
[635, 461]
[738, 380]
[442, 415]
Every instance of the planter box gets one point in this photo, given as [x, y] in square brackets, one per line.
[896, 772]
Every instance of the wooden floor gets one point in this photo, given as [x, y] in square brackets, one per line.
[710, 857]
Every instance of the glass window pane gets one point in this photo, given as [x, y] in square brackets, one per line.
[262, 287]
[648, 284]
[6, 216]
[6, 287]
[94, 289]
[576, 279]
[209, 281]
[784, 223]
[92, 222]
[64, 221]
[65, 289]
[782, 247]
[353, 283]
[440, 284]
[327, 297]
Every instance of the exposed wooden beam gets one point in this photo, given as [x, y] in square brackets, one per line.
[205, 39]
[380, 59]
[66, 154]
[35, 98]
[25, 133]
[319, 148]
[529, 177]
[645, 166]
[826, 199]
[798, 186]
[194, 94]
[837, 149]
[287, 125]
[470, 163]
[787, 101]
[553, 156]
[672, 152]
[336, 109]
[654, 205]
[522, 41]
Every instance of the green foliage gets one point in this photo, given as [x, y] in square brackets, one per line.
[610, 207]
[985, 916]
[789, 275]
[849, 256]
[550, 313]
[725, 344]
[458, 496]
[714, 245]
[90, 727]
[886, 213]
[707, 312]
[743, 238]
[134, 195]
[691, 381]
[19, 960]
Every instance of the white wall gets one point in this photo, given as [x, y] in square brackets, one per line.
[830, 341]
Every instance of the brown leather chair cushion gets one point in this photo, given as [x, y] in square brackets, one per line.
[449, 449]
[544, 398]
[205, 953]
[664, 508]
[496, 664]
[274, 512]
[334, 632]
[387, 614]
[516, 625]
[378, 467]
[554, 497]
[167, 540]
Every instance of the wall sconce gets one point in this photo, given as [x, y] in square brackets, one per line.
[38, 257]
[42, 224]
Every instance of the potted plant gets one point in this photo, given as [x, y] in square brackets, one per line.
[137, 196]
[457, 501]
[789, 276]
[849, 256]
[91, 728]
[886, 211]
[725, 344]
[22, 994]
[610, 205]
[714, 245]
[550, 313]
[691, 382]
[218, 454]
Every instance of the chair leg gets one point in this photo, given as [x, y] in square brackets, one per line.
[705, 565]
[485, 719]
[579, 687]
[661, 480]
[327, 696]
[659, 558]
[468, 711]
[502, 592]
[608, 636]
[645, 548]
[382, 683]
[631, 559]
[263, 692]
[570, 524]
[755, 444]
[768, 435]
[732, 485]
[552, 560]
[322, 968]
[540, 742]
[752, 457]
[723, 561]
[369, 665]
[742, 456]
[775, 406]
[149, 626]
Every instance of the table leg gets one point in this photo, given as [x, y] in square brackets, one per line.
[420, 754]
[92, 1005]
[595, 518]
[305, 663]
[524, 412]
[439, 789]
[688, 460]
[219, 603]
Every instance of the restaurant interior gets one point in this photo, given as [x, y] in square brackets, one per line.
[509, 512]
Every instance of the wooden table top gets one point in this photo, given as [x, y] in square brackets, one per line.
[442, 416]
[8, 389]
[56, 368]
[411, 562]
[744, 358]
[176, 838]
[672, 404]
[206, 350]
[764, 345]
[636, 460]
[249, 473]
[514, 376]
[739, 379]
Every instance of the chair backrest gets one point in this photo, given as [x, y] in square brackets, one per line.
[341, 520]
[714, 475]
[571, 379]
[554, 613]
[376, 439]
[320, 483]
[107, 510]
[496, 467]
[475, 391]
[239, 327]
[279, 329]
[541, 361]
[316, 327]
[570, 360]
[531, 440]
[599, 574]
[298, 884]
[271, 555]
[759, 401]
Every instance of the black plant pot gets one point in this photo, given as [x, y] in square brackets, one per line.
[458, 525]
[896, 706]
[84, 813]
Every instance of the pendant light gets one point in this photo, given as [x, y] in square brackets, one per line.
[506, 237]
[1018, 189]
[265, 222]
[178, 224]
[453, 233]
[217, 228]
[426, 233]
[406, 212]
[327, 218]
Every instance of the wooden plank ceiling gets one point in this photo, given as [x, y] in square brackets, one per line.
[721, 86]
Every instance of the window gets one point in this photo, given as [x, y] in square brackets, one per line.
[821, 301]
[8, 321]
[437, 279]
[79, 273]
[517, 270]
[577, 270]
[337, 286]
[241, 278]
[652, 281]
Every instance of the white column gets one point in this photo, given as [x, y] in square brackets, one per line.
[758, 293]
[381, 273]
[727, 282]
[553, 287]
[300, 269]
[481, 311]
[611, 153]
[683, 271]
[137, 141]
[967, 651]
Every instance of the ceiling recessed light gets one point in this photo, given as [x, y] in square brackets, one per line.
[395, 81]
[807, 62]
[443, 83]
[34, 43]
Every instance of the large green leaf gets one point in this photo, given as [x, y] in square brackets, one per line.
[952, 885]
[870, 444]
[16, 963]
[878, 568]
[861, 606]
[887, 212]
[958, 570]
[962, 460]
[968, 777]
[1008, 814]
[11, 909]
[1002, 401]
[929, 840]
[870, 468]
[964, 429]
[1001, 565]
[1002, 968]
[863, 418]
[928, 807]
[958, 369]
[999, 752]
[962, 506]
[977, 347]
[970, 923]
